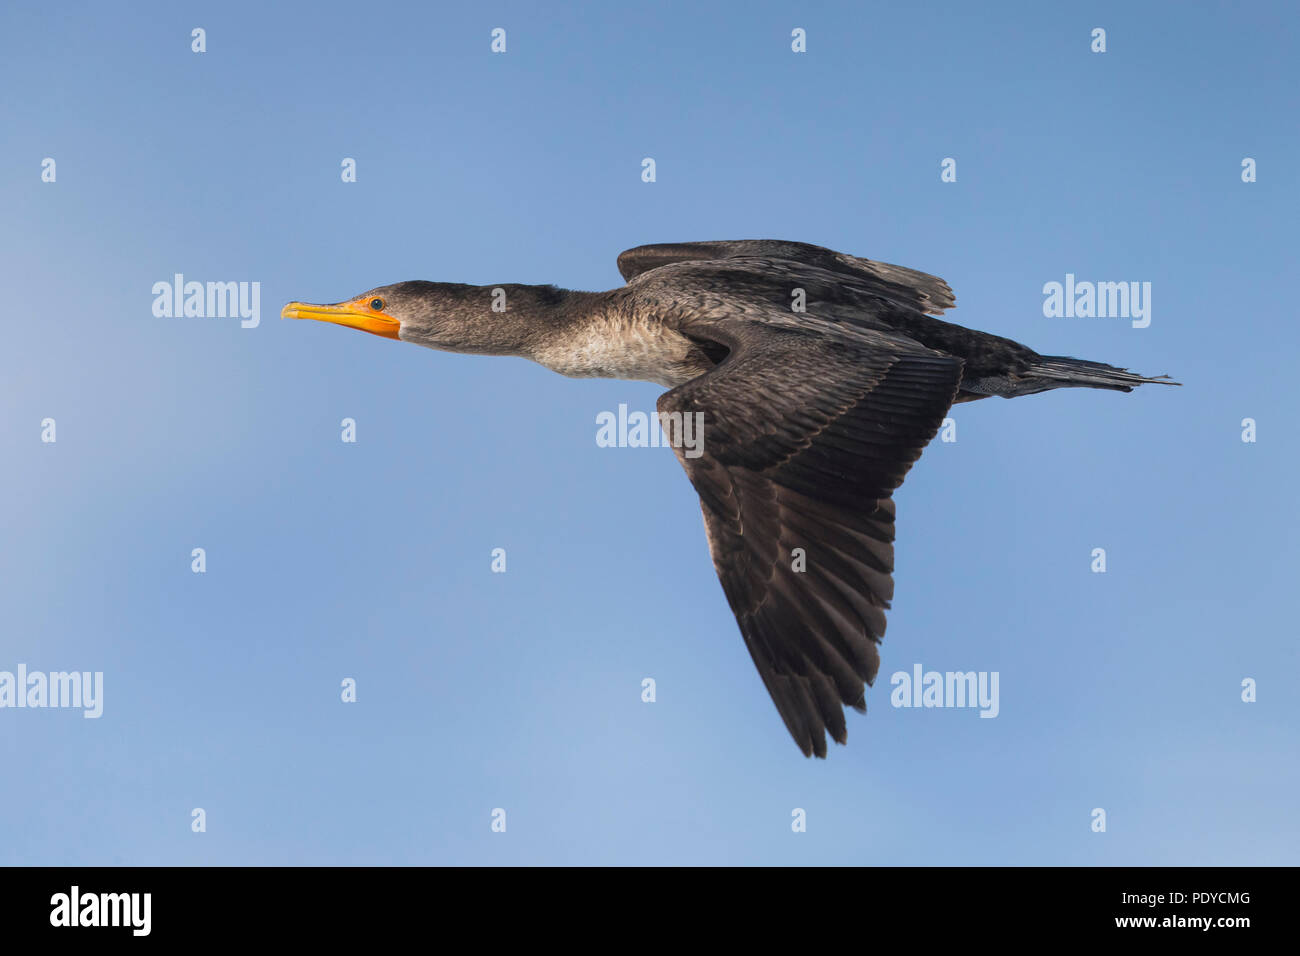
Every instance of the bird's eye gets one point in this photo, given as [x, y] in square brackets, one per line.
[377, 305]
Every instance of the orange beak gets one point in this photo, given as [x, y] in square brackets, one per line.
[356, 314]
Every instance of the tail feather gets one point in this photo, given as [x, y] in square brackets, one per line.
[1060, 371]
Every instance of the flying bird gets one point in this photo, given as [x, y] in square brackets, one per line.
[820, 377]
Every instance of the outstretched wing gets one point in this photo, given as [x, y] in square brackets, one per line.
[919, 290]
[804, 440]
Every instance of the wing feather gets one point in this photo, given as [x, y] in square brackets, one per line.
[919, 290]
[804, 440]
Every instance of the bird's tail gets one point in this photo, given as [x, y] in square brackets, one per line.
[1060, 371]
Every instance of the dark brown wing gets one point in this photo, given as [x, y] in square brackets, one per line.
[919, 290]
[804, 439]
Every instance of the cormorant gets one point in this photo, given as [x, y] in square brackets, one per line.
[820, 376]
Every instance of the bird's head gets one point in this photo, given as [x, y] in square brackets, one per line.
[385, 311]
[440, 315]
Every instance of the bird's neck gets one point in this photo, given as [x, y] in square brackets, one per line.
[526, 319]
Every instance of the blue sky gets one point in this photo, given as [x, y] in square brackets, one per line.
[521, 690]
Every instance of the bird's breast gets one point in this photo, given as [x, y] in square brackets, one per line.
[615, 347]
